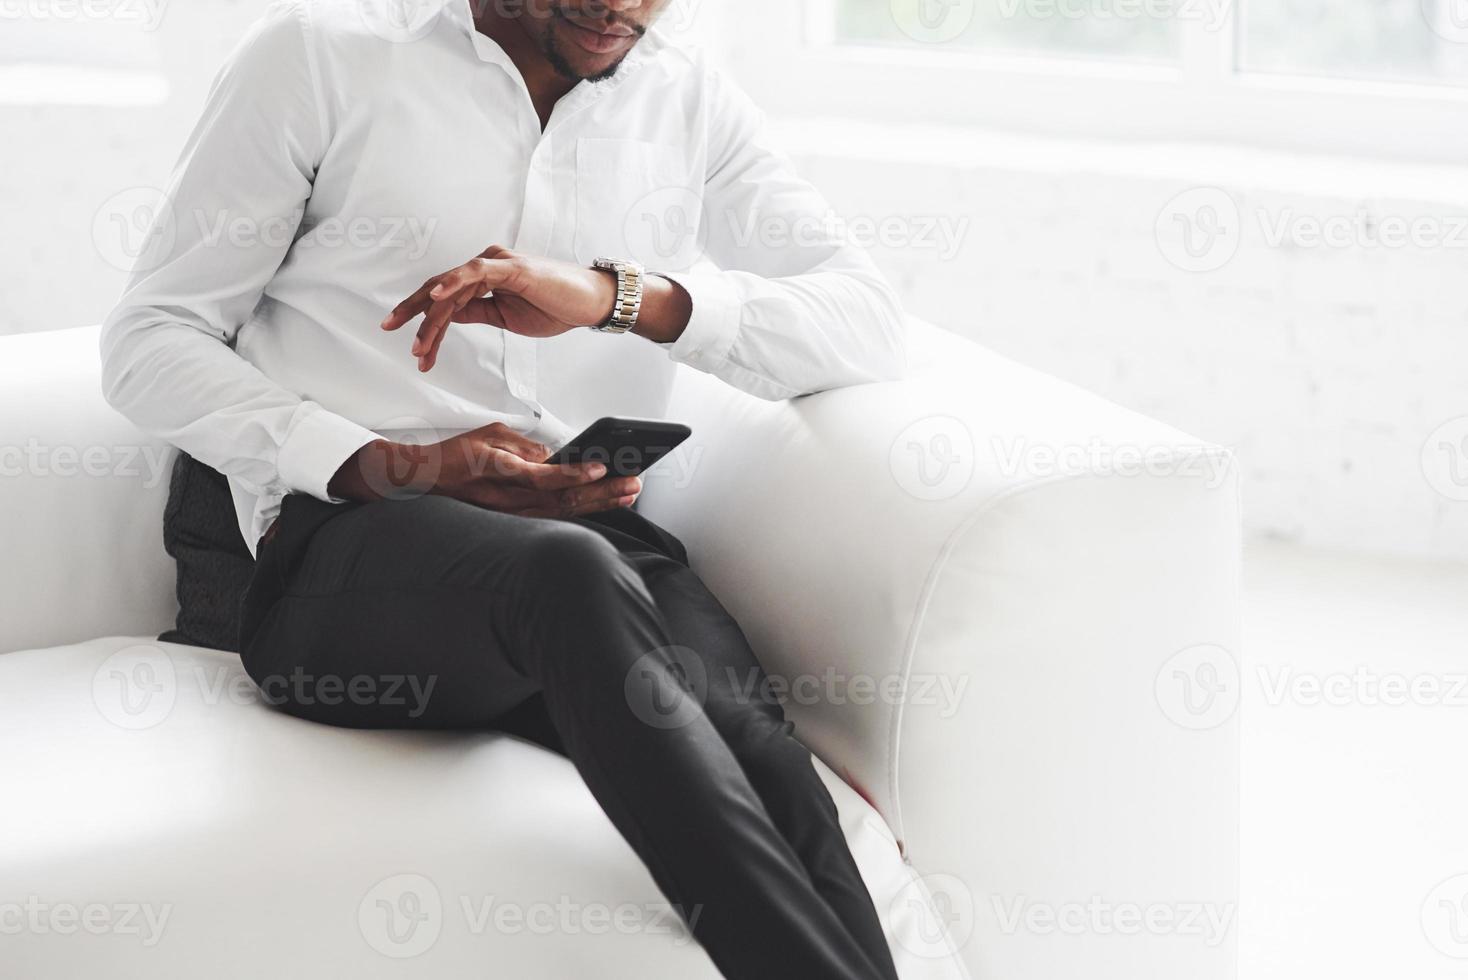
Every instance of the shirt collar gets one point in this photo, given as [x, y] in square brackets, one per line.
[460, 14]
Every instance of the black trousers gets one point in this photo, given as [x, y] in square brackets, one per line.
[594, 637]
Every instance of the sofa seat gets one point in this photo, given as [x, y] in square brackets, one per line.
[149, 788]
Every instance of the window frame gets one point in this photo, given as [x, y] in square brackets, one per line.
[1204, 98]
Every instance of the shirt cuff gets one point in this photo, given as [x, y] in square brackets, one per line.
[318, 443]
[714, 325]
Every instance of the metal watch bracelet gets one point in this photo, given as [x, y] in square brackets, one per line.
[630, 279]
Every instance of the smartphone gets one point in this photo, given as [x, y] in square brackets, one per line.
[627, 447]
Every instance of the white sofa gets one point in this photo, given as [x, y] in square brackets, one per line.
[1054, 796]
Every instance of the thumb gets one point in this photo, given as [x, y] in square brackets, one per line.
[484, 310]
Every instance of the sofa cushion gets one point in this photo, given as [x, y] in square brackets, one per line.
[148, 789]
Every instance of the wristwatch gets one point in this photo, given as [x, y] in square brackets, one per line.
[629, 294]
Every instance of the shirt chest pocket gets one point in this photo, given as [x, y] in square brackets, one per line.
[635, 200]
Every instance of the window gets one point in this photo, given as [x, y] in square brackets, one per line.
[1384, 79]
[1055, 27]
[1409, 40]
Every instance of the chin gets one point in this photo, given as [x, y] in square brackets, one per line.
[574, 61]
[597, 69]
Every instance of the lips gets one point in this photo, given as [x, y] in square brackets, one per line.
[599, 38]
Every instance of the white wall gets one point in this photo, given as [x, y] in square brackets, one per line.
[65, 165]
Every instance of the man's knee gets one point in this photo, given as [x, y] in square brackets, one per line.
[576, 595]
[566, 558]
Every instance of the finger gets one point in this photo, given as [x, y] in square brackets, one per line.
[504, 498]
[441, 328]
[410, 307]
[431, 332]
[454, 289]
[485, 310]
[486, 462]
[488, 273]
[605, 495]
[599, 505]
[503, 437]
[600, 496]
[543, 476]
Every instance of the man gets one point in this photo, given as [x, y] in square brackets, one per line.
[392, 483]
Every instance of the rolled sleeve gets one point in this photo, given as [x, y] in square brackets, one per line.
[714, 324]
[315, 448]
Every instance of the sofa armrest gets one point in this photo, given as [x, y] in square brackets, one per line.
[81, 501]
[985, 593]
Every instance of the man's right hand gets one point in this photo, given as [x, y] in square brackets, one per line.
[493, 467]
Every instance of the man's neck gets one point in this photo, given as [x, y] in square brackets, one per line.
[546, 85]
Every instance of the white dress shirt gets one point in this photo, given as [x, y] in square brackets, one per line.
[342, 159]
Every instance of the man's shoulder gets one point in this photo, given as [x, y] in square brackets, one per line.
[371, 21]
[687, 64]
[684, 50]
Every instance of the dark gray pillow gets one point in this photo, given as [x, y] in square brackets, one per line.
[214, 566]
